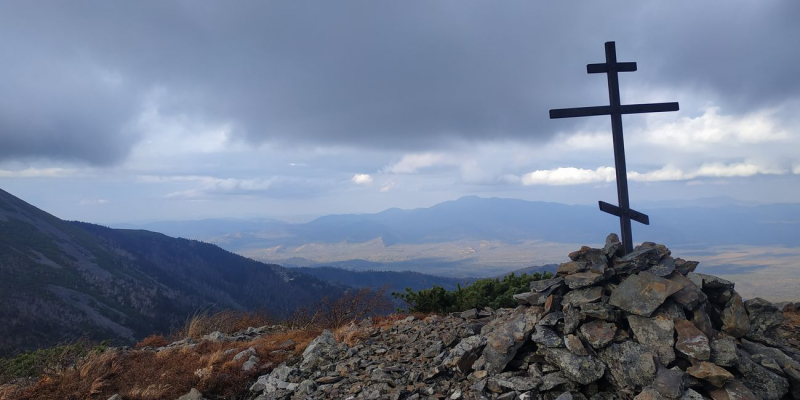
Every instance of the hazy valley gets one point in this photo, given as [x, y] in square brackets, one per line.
[480, 237]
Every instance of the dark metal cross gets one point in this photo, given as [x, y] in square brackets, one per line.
[611, 67]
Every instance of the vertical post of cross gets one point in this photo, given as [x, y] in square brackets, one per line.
[619, 146]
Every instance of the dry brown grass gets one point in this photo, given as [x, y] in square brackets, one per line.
[168, 374]
[228, 321]
[152, 341]
[143, 374]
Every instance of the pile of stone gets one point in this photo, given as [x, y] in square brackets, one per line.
[643, 325]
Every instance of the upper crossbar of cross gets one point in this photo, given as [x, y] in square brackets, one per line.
[615, 109]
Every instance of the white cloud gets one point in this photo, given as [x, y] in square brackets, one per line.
[37, 173]
[210, 184]
[568, 176]
[387, 187]
[412, 163]
[576, 176]
[361, 179]
[796, 169]
[93, 202]
[714, 128]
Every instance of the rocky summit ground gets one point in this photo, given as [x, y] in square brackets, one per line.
[643, 325]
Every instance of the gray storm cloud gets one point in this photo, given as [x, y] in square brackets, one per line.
[417, 75]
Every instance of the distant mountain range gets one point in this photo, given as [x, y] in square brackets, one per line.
[482, 237]
[60, 280]
[714, 221]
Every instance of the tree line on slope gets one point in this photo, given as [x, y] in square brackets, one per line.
[488, 292]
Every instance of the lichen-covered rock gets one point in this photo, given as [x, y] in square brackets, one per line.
[691, 342]
[735, 321]
[583, 279]
[581, 369]
[630, 365]
[761, 381]
[669, 383]
[764, 318]
[664, 267]
[656, 334]
[506, 334]
[689, 295]
[598, 333]
[710, 373]
[575, 345]
[541, 286]
[547, 337]
[465, 353]
[323, 349]
[641, 294]
[723, 351]
[583, 296]
[733, 390]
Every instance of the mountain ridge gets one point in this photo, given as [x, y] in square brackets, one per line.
[61, 280]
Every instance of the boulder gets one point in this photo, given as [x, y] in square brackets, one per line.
[691, 342]
[641, 294]
[583, 296]
[571, 267]
[733, 390]
[543, 285]
[764, 318]
[630, 365]
[465, 353]
[598, 333]
[710, 373]
[575, 345]
[735, 321]
[761, 381]
[581, 369]
[583, 279]
[669, 383]
[656, 334]
[323, 349]
[505, 334]
[685, 267]
[664, 268]
[689, 295]
[545, 336]
[612, 246]
[193, 394]
[723, 351]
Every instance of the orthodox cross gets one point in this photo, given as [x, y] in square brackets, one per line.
[611, 68]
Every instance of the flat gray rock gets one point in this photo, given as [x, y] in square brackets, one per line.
[541, 286]
[641, 294]
[583, 296]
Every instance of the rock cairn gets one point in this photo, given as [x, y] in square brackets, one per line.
[643, 325]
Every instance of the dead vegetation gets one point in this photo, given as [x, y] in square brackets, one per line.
[145, 374]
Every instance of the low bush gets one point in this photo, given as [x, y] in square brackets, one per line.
[489, 292]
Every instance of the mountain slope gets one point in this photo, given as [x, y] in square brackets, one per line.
[60, 280]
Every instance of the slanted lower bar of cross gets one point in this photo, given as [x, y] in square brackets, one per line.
[611, 68]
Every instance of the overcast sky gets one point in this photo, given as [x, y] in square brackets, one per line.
[172, 110]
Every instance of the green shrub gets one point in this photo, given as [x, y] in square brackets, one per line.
[46, 361]
[489, 292]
